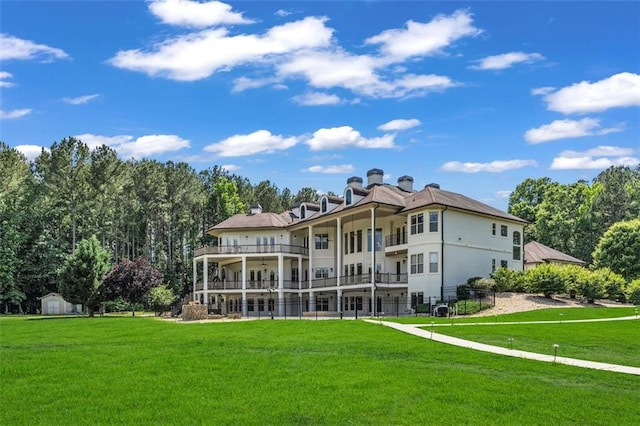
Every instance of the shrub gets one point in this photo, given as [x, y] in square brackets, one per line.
[546, 279]
[633, 292]
[589, 286]
[613, 284]
[505, 279]
[463, 292]
[116, 305]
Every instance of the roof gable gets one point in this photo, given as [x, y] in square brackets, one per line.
[535, 252]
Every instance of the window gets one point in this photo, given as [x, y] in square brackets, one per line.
[323, 204]
[504, 231]
[378, 239]
[493, 265]
[261, 305]
[493, 229]
[417, 224]
[433, 261]
[250, 305]
[322, 273]
[272, 304]
[433, 221]
[359, 241]
[516, 238]
[417, 263]
[295, 275]
[352, 238]
[504, 264]
[322, 241]
[347, 197]
[346, 243]
[516, 253]
[303, 212]
[417, 299]
[322, 304]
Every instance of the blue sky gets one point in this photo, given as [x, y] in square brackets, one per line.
[476, 96]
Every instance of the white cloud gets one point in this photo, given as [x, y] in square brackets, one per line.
[16, 113]
[542, 90]
[243, 83]
[618, 91]
[196, 14]
[128, 146]
[261, 141]
[506, 60]
[492, 167]
[343, 168]
[591, 163]
[16, 48]
[345, 137]
[423, 39]
[399, 124]
[230, 167]
[3, 77]
[316, 98]
[188, 57]
[30, 151]
[282, 13]
[81, 99]
[564, 129]
[503, 194]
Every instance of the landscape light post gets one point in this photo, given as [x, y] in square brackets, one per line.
[511, 343]
[555, 351]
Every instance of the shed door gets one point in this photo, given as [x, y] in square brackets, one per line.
[53, 307]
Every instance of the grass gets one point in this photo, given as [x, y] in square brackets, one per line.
[549, 314]
[615, 342]
[148, 371]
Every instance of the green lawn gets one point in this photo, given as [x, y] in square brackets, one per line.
[148, 371]
[616, 342]
[550, 314]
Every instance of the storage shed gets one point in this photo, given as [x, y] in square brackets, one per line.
[54, 304]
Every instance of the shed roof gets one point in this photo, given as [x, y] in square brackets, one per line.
[535, 252]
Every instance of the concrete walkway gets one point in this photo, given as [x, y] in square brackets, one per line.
[633, 317]
[428, 334]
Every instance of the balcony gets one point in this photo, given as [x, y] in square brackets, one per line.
[397, 239]
[252, 249]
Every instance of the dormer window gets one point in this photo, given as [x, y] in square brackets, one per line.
[348, 197]
[303, 211]
[323, 205]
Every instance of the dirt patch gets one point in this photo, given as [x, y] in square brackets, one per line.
[507, 303]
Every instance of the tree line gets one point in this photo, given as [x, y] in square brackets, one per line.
[572, 218]
[135, 208]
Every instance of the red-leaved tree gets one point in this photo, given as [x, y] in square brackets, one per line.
[132, 281]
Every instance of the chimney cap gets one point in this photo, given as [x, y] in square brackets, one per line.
[354, 179]
[375, 172]
[405, 178]
[432, 185]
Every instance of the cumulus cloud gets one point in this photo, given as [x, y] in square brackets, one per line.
[346, 137]
[503, 194]
[542, 90]
[30, 151]
[399, 124]
[342, 168]
[188, 57]
[316, 98]
[81, 99]
[506, 60]
[492, 167]
[598, 158]
[13, 114]
[282, 13]
[128, 146]
[3, 79]
[230, 167]
[188, 13]
[16, 48]
[424, 39]
[618, 91]
[564, 129]
[261, 141]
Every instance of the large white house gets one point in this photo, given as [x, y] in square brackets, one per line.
[378, 248]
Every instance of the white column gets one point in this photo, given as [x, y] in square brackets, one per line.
[374, 304]
[195, 278]
[299, 272]
[338, 249]
[205, 274]
[281, 305]
[339, 300]
[311, 252]
[243, 301]
[312, 302]
[373, 245]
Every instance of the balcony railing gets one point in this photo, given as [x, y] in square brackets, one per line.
[396, 239]
[249, 249]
